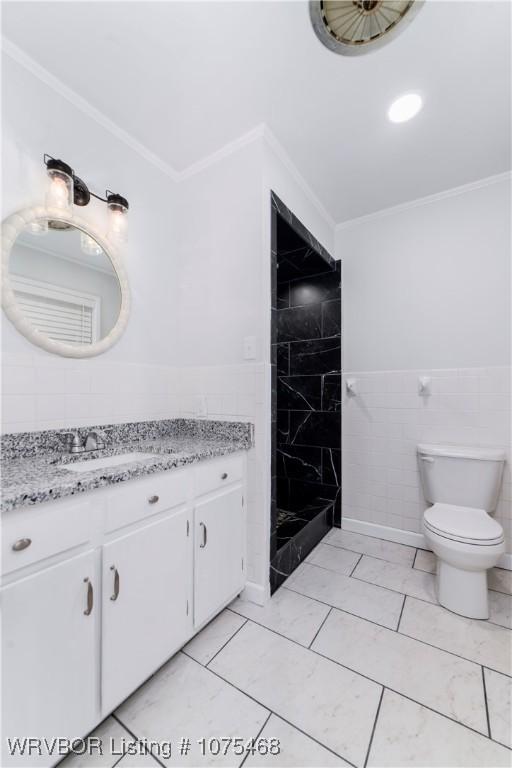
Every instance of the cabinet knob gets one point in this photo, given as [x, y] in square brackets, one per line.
[224, 476]
[21, 544]
[153, 499]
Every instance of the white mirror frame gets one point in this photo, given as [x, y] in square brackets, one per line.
[12, 227]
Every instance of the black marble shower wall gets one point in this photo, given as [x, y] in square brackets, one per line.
[306, 393]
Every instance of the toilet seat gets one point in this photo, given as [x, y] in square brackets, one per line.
[464, 524]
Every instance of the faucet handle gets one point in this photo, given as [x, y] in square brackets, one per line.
[75, 444]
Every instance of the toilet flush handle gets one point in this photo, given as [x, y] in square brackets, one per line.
[427, 458]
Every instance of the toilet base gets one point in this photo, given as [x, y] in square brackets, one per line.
[463, 592]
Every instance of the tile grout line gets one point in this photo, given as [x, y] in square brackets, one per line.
[486, 704]
[355, 566]
[374, 727]
[376, 557]
[400, 617]
[270, 713]
[414, 560]
[411, 637]
[140, 741]
[359, 674]
[320, 627]
[227, 641]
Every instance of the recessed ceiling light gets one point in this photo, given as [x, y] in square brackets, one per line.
[405, 108]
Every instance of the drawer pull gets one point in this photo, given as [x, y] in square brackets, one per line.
[205, 536]
[153, 499]
[90, 597]
[115, 593]
[224, 476]
[21, 544]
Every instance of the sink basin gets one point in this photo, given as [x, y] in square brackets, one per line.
[88, 465]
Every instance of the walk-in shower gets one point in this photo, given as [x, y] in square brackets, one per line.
[306, 392]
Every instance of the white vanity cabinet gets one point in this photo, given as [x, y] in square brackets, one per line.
[219, 552]
[50, 653]
[147, 603]
[110, 586]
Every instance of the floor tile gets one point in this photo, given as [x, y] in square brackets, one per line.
[210, 640]
[401, 578]
[357, 542]
[478, 641]
[296, 749]
[112, 750]
[294, 616]
[425, 561]
[500, 609]
[499, 701]
[331, 704]
[500, 580]
[453, 686]
[365, 600]
[409, 735]
[184, 699]
[334, 558]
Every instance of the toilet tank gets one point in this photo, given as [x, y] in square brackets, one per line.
[468, 477]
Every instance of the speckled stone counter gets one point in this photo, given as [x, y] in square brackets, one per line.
[32, 471]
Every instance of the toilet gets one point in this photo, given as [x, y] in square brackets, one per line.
[463, 485]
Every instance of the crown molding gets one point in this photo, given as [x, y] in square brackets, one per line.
[26, 61]
[220, 154]
[453, 192]
[261, 131]
[285, 158]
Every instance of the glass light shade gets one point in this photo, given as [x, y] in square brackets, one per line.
[60, 190]
[89, 245]
[117, 223]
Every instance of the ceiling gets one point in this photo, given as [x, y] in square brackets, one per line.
[186, 78]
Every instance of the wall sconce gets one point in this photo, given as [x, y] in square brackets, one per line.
[66, 188]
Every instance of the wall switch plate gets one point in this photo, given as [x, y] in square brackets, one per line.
[250, 348]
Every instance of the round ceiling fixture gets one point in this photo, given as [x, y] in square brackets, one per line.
[351, 27]
[405, 108]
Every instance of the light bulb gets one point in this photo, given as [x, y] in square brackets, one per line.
[405, 108]
[117, 218]
[60, 188]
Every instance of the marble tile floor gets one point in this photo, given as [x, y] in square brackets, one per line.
[351, 662]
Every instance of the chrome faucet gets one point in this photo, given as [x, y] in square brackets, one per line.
[94, 441]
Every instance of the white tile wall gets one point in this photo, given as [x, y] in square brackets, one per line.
[44, 393]
[384, 422]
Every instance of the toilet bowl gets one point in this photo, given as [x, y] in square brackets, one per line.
[462, 484]
[467, 543]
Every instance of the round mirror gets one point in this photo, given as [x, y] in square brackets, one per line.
[64, 287]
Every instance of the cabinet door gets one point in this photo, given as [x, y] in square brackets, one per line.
[219, 551]
[50, 655]
[147, 616]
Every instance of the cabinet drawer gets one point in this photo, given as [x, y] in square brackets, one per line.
[216, 473]
[34, 533]
[137, 499]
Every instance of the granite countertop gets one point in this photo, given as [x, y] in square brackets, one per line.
[34, 474]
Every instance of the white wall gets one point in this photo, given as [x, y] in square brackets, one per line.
[429, 286]
[198, 261]
[43, 121]
[426, 291]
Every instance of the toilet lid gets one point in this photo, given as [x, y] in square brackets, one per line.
[465, 524]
